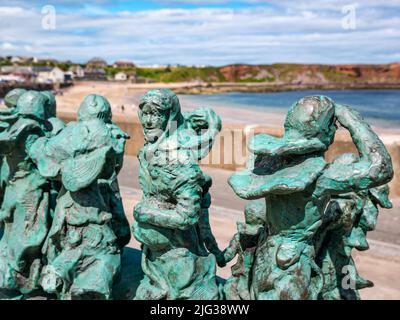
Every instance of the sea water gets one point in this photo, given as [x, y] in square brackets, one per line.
[381, 107]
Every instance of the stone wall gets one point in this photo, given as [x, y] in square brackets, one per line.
[230, 151]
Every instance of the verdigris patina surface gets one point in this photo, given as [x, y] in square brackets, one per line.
[109, 189]
[25, 210]
[63, 226]
[171, 220]
[10, 101]
[298, 237]
[83, 248]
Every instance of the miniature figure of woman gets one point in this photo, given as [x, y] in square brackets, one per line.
[25, 208]
[348, 218]
[171, 219]
[10, 100]
[292, 177]
[83, 256]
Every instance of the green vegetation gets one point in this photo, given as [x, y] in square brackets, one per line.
[181, 74]
[275, 74]
[332, 75]
[111, 71]
[5, 63]
[256, 80]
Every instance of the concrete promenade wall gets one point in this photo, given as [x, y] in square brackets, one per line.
[230, 151]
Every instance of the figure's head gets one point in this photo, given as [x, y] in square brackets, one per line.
[51, 104]
[310, 128]
[156, 109]
[32, 104]
[95, 107]
[12, 97]
[312, 117]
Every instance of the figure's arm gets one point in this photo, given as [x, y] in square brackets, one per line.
[11, 137]
[120, 221]
[233, 248]
[182, 217]
[47, 153]
[209, 239]
[248, 231]
[374, 167]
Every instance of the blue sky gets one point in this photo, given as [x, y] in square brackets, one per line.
[205, 32]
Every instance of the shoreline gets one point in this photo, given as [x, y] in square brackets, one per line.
[213, 88]
[128, 95]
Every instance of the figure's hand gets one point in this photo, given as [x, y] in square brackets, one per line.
[204, 118]
[137, 211]
[230, 252]
[142, 211]
[51, 282]
[346, 116]
[221, 262]
[198, 122]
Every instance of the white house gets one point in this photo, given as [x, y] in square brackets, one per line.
[55, 75]
[78, 71]
[16, 59]
[121, 76]
[19, 71]
[11, 78]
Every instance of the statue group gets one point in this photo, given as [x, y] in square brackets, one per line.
[63, 227]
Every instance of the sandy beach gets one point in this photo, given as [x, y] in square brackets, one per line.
[128, 96]
[124, 98]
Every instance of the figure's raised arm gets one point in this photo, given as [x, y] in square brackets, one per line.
[374, 167]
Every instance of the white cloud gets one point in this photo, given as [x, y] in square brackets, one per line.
[11, 11]
[8, 46]
[301, 31]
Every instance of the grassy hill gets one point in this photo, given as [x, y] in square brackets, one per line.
[281, 74]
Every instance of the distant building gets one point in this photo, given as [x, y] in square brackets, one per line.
[37, 69]
[23, 72]
[121, 76]
[95, 74]
[68, 77]
[77, 71]
[95, 69]
[16, 69]
[96, 63]
[16, 60]
[54, 75]
[11, 78]
[123, 64]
